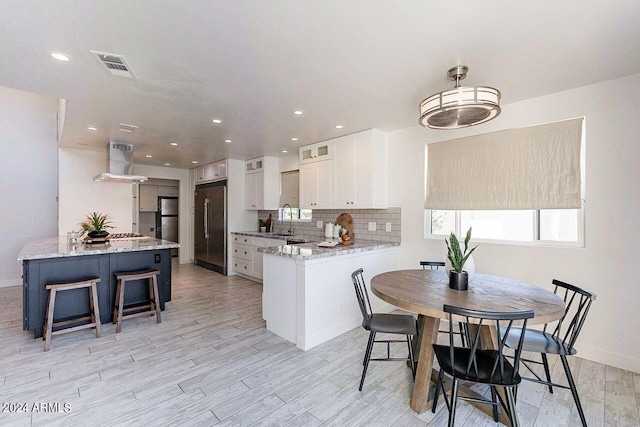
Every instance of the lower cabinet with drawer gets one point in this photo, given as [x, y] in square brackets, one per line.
[246, 258]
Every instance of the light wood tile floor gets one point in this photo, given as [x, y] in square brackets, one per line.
[212, 362]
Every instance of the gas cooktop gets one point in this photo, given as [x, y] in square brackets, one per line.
[127, 236]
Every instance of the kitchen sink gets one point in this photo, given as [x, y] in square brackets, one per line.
[294, 241]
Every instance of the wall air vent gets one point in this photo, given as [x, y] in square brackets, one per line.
[114, 64]
[127, 128]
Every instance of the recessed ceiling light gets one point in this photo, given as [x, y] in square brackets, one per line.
[339, 126]
[148, 156]
[60, 56]
[216, 121]
[294, 139]
[227, 141]
[297, 112]
[194, 161]
[92, 128]
[284, 151]
[174, 143]
[167, 164]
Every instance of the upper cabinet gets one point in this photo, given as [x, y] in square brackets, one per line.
[211, 172]
[262, 184]
[148, 198]
[316, 152]
[354, 175]
[168, 191]
[316, 185]
[360, 170]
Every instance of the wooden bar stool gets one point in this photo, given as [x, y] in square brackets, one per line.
[94, 316]
[119, 312]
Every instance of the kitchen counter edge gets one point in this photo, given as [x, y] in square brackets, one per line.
[56, 247]
[311, 251]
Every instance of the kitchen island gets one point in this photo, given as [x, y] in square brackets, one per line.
[51, 259]
[308, 296]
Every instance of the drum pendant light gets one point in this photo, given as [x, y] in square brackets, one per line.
[461, 106]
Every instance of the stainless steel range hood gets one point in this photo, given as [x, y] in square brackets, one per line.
[119, 164]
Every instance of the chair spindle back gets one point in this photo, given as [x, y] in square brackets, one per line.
[363, 296]
[474, 338]
[577, 302]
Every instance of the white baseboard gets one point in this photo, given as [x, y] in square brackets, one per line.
[308, 342]
[5, 283]
[609, 358]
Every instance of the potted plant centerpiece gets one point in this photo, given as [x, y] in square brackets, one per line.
[458, 278]
[95, 225]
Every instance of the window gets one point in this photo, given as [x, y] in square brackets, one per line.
[296, 213]
[545, 226]
[494, 182]
[289, 193]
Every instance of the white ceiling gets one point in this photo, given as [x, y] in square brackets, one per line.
[360, 63]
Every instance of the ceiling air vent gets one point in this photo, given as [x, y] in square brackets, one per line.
[114, 64]
[127, 128]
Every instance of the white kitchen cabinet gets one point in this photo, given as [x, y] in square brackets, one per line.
[148, 198]
[168, 191]
[316, 152]
[246, 258]
[211, 172]
[360, 170]
[262, 184]
[316, 185]
[254, 165]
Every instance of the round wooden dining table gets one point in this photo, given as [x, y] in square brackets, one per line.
[425, 292]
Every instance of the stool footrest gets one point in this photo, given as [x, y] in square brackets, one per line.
[73, 329]
[140, 314]
[70, 321]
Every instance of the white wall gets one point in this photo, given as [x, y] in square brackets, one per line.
[80, 194]
[28, 176]
[184, 212]
[608, 265]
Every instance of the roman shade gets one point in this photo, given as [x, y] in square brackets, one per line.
[289, 189]
[537, 167]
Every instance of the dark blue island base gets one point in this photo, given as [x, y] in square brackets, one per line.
[75, 303]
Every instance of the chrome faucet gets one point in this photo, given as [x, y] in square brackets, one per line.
[291, 217]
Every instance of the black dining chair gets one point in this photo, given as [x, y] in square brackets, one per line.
[400, 324]
[475, 364]
[556, 338]
[435, 265]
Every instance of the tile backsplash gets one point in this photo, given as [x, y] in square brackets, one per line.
[361, 220]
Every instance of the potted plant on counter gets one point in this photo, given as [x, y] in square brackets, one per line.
[458, 278]
[263, 225]
[95, 225]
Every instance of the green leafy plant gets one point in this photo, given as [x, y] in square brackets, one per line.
[455, 253]
[95, 222]
[262, 223]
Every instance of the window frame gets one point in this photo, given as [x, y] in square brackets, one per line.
[536, 231]
[281, 215]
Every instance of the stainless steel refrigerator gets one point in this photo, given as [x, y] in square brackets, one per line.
[210, 239]
[167, 220]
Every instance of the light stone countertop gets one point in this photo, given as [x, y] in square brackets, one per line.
[275, 236]
[57, 247]
[311, 250]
